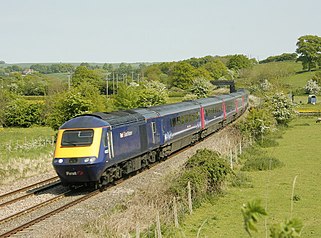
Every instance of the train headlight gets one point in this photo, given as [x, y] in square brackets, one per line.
[90, 160]
[60, 161]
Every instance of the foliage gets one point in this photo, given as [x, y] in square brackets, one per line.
[201, 87]
[261, 163]
[206, 171]
[32, 84]
[216, 69]
[281, 108]
[5, 98]
[64, 106]
[317, 77]
[23, 113]
[147, 94]
[182, 75]
[237, 62]
[309, 50]
[258, 123]
[312, 87]
[127, 97]
[289, 229]
[83, 74]
[278, 58]
[53, 68]
[152, 93]
[251, 212]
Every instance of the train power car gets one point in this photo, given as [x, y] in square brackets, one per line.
[98, 148]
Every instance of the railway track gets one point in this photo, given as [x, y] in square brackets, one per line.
[28, 217]
[30, 190]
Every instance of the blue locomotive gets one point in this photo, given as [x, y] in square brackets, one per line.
[99, 148]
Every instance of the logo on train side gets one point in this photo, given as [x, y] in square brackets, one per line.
[74, 173]
[125, 134]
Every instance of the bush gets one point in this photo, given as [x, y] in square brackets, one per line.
[261, 163]
[206, 171]
[23, 113]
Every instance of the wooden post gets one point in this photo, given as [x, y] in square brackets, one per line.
[175, 212]
[158, 226]
[137, 231]
[231, 160]
[189, 190]
[236, 159]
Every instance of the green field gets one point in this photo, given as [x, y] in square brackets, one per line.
[300, 151]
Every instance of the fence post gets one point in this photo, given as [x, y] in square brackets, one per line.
[137, 230]
[175, 212]
[158, 226]
[231, 160]
[190, 205]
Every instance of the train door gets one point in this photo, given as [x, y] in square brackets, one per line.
[110, 144]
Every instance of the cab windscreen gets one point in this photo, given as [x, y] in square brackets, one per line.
[77, 138]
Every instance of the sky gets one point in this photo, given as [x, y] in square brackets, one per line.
[105, 31]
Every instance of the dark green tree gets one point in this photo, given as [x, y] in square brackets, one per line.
[182, 75]
[216, 69]
[309, 50]
[237, 62]
[23, 113]
[83, 74]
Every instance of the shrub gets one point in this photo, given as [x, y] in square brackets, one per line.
[23, 113]
[261, 163]
[281, 108]
[258, 123]
[206, 171]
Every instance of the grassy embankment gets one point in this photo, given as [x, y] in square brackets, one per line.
[299, 150]
[24, 152]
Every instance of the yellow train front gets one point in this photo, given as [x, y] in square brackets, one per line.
[80, 154]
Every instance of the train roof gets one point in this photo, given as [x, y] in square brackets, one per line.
[208, 101]
[118, 118]
[168, 109]
[146, 113]
[84, 121]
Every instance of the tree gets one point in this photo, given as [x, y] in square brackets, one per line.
[151, 94]
[312, 87]
[216, 69]
[182, 75]
[83, 74]
[238, 62]
[281, 108]
[201, 87]
[2, 62]
[23, 113]
[62, 107]
[309, 50]
[5, 98]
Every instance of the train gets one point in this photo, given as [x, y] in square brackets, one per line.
[99, 148]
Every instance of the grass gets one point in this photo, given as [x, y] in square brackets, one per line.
[299, 150]
[24, 152]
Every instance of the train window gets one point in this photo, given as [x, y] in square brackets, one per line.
[105, 139]
[77, 137]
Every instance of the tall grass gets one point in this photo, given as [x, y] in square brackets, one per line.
[25, 152]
